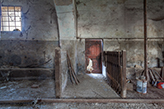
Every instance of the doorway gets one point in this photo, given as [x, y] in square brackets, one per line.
[93, 55]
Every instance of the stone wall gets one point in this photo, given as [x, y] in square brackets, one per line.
[35, 44]
[45, 22]
[123, 21]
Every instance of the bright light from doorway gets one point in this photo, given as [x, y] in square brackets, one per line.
[96, 76]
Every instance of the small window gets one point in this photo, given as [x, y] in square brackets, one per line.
[11, 18]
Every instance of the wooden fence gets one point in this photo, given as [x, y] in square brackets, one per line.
[115, 62]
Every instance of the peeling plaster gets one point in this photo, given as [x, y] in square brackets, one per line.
[63, 2]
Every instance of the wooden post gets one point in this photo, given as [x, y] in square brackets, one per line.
[0, 16]
[123, 75]
[57, 72]
[162, 73]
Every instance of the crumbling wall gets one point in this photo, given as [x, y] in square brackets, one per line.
[33, 47]
[123, 21]
[80, 60]
[67, 31]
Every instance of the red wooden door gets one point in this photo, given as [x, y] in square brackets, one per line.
[93, 48]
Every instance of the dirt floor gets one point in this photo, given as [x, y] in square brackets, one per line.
[86, 106]
[23, 90]
[152, 93]
[96, 88]
[91, 86]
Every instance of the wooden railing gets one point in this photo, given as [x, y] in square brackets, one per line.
[115, 62]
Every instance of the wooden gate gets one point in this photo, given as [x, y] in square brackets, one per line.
[115, 63]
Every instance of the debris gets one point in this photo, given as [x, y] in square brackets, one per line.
[3, 87]
[160, 85]
[153, 77]
[8, 66]
[37, 65]
[71, 71]
[139, 86]
[137, 66]
[142, 85]
[35, 86]
[129, 86]
[5, 75]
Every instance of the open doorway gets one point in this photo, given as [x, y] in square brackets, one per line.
[92, 84]
[93, 56]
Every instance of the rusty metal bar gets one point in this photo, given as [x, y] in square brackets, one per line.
[83, 101]
[122, 38]
[145, 39]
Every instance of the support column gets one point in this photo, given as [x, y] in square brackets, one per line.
[145, 40]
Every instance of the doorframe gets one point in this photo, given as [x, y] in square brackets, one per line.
[95, 39]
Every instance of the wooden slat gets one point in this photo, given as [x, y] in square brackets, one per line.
[0, 14]
[116, 68]
[113, 80]
[162, 73]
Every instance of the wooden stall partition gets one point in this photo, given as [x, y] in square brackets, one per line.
[115, 62]
[57, 72]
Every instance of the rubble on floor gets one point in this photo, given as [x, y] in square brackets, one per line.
[24, 89]
[86, 106]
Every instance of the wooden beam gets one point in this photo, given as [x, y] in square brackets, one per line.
[161, 101]
[115, 81]
[123, 75]
[57, 72]
[0, 15]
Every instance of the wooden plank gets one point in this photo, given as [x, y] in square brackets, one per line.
[118, 69]
[123, 75]
[117, 73]
[162, 73]
[43, 100]
[72, 71]
[0, 14]
[12, 69]
[57, 72]
[113, 80]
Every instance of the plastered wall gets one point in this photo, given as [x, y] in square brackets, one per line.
[123, 21]
[34, 45]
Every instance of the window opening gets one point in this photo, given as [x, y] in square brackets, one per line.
[11, 18]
